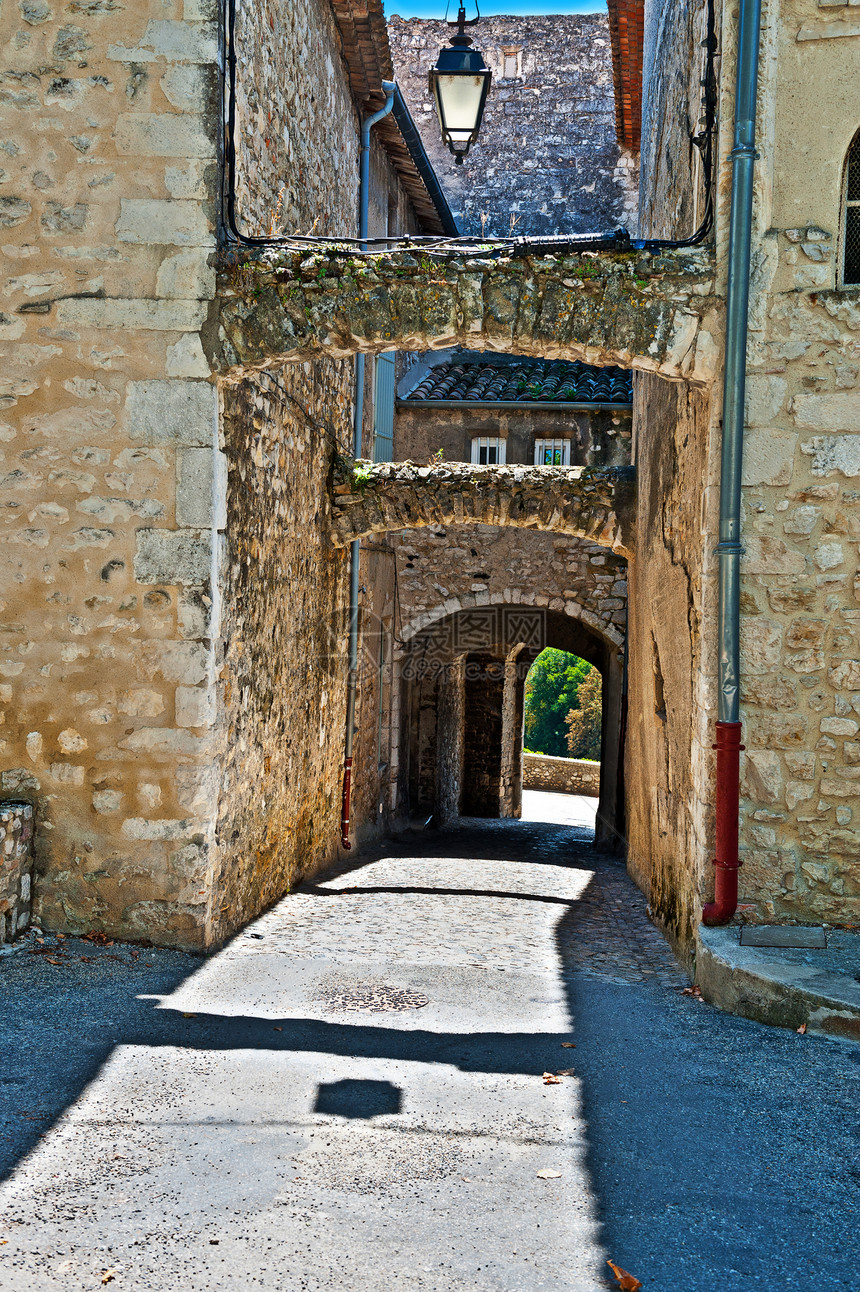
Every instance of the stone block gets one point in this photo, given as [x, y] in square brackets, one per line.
[126, 314]
[195, 706]
[832, 453]
[186, 275]
[839, 726]
[137, 827]
[761, 641]
[165, 742]
[186, 87]
[178, 42]
[769, 457]
[173, 556]
[796, 792]
[158, 222]
[106, 802]
[185, 358]
[766, 555]
[827, 412]
[846, 675]
[183, 662]
[172, 412]
[765, 398]
[68, 773]
[141, 703]
[763, 776]
[201, 488]
[162, 134]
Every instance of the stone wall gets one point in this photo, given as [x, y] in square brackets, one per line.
[546, 159]
[649, 312]
[16, 868]
[561, 775]
[148, 601]
[482, 751]
[283, 688]
[671, 192]
[668, 763]
[600, 439]
[109, 483]
[444, 569]
[799, 645]
[580, 501]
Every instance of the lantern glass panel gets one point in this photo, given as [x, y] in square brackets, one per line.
[458, 103]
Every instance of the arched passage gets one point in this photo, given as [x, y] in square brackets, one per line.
[588, 503]
[463, 678]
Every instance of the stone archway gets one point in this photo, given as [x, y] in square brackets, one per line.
[583, 502]
[470, 667]
[652, 312]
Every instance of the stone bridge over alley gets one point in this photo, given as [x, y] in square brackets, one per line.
[655, 313]
[597, 505]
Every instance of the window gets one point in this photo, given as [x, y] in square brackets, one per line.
[512, 65]
[488, 450]
[552, 453]
[851, 227]
[383, 408]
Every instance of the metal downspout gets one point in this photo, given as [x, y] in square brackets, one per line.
[367, 125]
[728, 729]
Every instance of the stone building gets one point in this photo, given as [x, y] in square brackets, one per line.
[548, 159]
[478, 603]
[173, 660]
[178, 420]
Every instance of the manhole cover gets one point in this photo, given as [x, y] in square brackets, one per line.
[372, 998]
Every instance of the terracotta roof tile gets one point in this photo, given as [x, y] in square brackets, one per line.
[526, 381]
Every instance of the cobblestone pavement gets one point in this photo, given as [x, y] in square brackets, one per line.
[351, 1097]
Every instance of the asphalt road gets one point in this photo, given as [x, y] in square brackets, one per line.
[350, 1097]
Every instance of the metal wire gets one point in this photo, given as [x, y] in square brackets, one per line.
[558, 244]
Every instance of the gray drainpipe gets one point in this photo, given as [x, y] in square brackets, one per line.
[367, 125]
[728, 728]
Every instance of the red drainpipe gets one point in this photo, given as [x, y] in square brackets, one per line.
[344, 812]
[727, 861]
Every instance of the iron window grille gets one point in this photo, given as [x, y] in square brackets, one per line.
[552, 453]
[488, 451]
[851, 224]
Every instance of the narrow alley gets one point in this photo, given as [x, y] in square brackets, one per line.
[368, 1060]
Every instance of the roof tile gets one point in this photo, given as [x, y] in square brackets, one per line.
[526, 381]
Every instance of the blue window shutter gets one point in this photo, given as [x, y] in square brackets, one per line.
[383, 409]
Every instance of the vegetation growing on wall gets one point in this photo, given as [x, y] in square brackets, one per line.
[584, 720]
[557, 686]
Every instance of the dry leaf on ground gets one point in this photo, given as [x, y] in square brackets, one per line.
[802, 1029]
[692, 991]
[548, 1174]
[627, 1282]
[550, 1079]
[109, 1275]
[568, 1045]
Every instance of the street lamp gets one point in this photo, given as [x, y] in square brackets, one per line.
[460, 82]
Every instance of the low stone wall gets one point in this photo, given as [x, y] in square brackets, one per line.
[561, 775]
[16, 868]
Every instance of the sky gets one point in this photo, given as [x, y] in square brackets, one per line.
[436, 8]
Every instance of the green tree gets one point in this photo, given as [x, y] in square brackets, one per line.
[583, 721]
[551, 691]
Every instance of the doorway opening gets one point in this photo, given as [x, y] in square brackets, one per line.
[562, 739]
[466, 721]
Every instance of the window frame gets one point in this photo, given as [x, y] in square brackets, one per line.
[844, 205]
[498, 442]
[553, 443]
